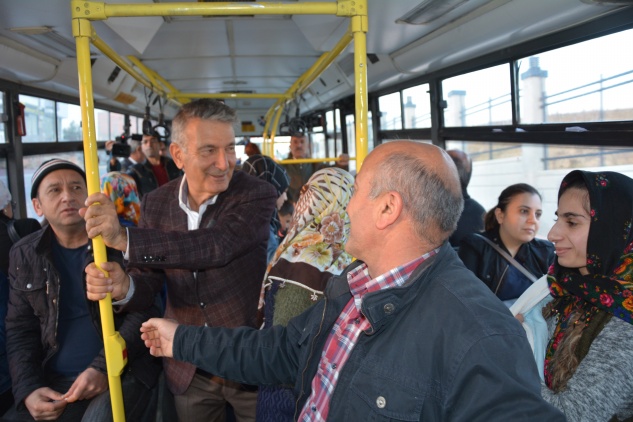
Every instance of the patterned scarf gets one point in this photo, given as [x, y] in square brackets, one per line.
[122, 190]
[314, 248]
[607, 290]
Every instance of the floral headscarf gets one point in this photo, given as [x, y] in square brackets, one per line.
[122, 190]
[314, 248]
[608, 288]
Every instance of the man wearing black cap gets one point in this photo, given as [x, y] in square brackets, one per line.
[54, 342]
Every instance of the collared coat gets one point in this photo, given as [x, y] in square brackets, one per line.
[33, 315]
[214, 273]
[440, 348]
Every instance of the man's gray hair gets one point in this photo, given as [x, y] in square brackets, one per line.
[433, 206]
[205, 109]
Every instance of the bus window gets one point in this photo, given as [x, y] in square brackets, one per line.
[3, 136]
[117, 123]
[591, 81]
[417, 107]
[102, 123]
[480, 98]
[134, 125]
[390, 111]
[39, 115]
[68, 122]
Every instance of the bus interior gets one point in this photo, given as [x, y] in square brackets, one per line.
[529, 88]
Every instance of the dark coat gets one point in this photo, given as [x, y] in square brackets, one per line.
[214, 274]
[479, 257]
[144, 175]
[33, 315]
[471, 221]
[23, 227]
[440, 348]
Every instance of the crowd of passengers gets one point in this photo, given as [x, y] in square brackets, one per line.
[391, 295]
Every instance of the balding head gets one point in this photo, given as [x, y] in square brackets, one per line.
[464, 166]
[426, 179]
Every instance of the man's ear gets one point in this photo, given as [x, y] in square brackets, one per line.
[37, 207]
[177, 154]
[390, 209]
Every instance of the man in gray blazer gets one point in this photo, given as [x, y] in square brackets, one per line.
[206, 234]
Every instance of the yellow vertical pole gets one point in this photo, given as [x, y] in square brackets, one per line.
[273, 132]
[268, 118]
[359, 28]
[114, 345]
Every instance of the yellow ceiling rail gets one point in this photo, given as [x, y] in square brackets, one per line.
[222, 95]
[101, 11]
[155, 79]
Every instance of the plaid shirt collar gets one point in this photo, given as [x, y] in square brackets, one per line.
[361, 283]
[346, 331]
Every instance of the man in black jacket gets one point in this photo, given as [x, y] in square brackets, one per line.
[54, 339]
[156, 170]
[406, 333]
[472, 218]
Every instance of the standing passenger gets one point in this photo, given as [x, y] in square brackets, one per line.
[312, 252]
[405, 333]
[156, 170]
[511, 227]
[472, 218]
[206, 234]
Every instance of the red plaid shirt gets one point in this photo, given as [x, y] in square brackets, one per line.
[345, 332]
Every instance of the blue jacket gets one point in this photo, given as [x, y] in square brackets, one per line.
[441, 347]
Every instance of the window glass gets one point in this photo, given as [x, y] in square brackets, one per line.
[117, 121]
[3, 137]
[591, 81]
[282, 147]
[497, 165]
[39, 116]
[417, 107]
[102, 120]
[480, 98]
[390, 112]
[69, 123]
[329, 121]
[134, 127]
[318, 145]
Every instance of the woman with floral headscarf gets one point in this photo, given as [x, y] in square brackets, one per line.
[589, 359]
[122, 190]
[311, 253]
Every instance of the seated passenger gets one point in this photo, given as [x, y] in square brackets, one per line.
[511, 227]
[54, 339]
[121, 188]
[11, 230]
[404, 333]
[311, 253]
[588, 361]
[265, 168]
